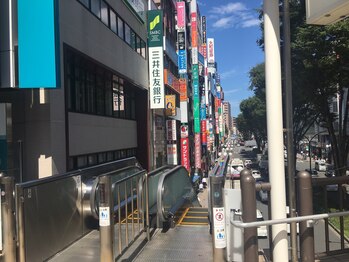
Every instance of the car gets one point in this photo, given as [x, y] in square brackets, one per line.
[289, 225]
[257, 175]
[262, 231]
[330, 172]
[248, 163]
[312, 172]
[263, 195]
[320, 165]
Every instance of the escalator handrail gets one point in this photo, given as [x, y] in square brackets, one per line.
[160, 208]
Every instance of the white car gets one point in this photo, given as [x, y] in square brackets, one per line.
[289, 225]
[257, 175]
[262, 231]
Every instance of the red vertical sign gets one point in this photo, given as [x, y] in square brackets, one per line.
[185, 153]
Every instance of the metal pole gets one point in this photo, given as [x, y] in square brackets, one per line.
[248, 196]
[218, 213]
[274, 126]
[289, 128]
[8, 219]
[306, 231]
[106, 221]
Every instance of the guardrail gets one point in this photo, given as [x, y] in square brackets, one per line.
[120, 201]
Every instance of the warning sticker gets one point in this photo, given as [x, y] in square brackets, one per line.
[104, 218]
[219, 227]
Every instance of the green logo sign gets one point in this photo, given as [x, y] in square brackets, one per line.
[155, 29]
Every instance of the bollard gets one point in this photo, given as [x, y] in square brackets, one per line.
[306, 231]
[8, 219]
[249, 206]
[106, 221]
[218, 218]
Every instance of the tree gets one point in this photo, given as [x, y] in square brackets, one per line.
[252, 119]
[320, 55]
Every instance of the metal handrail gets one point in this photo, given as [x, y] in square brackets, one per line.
[160, 208]
[309, 218]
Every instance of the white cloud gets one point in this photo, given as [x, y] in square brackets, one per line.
[250, 23]
[227, 74]
[233, 15]
[230, 8]
[232, 91]
[224, 22]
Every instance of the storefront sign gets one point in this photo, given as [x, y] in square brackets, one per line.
[197, 151]
[156, 78]
[183, 89]
[184, 131]
[171, 130]
[210, 51]
[185, 161]
[172, 154]
[181, 14]
[171, 104]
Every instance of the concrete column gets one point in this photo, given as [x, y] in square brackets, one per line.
[275, 128]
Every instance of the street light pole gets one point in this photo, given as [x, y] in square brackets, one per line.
[309, 142]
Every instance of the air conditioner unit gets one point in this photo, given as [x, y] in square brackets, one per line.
[324, 12]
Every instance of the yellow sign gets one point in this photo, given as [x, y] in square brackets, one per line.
[171, 104]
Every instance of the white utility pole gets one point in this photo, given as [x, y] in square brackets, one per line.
[274, 127]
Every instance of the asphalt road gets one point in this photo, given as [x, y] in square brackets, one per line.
[319, 227]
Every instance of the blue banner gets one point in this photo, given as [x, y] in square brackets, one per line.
[182, 61]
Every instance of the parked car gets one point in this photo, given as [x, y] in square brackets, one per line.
[320, 165]
[312, 172]
[248, 163]
[263, 195]
[257, 175]
[289, 225]
[262, 231]
[330, 172]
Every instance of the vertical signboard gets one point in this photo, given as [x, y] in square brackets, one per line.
[181, 14]
[185, 153]
[197, 151]
[172, 154]
[210, 51]
[156, 63]
[171, 130]
[182, 52]
[183, 89]
[38, 44]
[171, 104]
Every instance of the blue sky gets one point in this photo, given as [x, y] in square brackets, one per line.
[235, 27]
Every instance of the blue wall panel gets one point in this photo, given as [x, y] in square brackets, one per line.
[38, 44]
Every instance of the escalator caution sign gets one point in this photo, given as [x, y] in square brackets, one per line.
[219, 227]
[104, 218]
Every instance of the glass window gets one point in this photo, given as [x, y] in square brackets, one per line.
[102, 157]
[85, 3]
[90, 93]
[138, 45]
[100, 93]
[127, 34]
[143, 48]
[133, 40]
[92, 159]
[104, 13]
[108, 94]
[121, 101]
[81, 161]
[110, 156]
[113, 22]
[120, 28]
[96, 7]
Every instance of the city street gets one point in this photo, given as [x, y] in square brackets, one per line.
[319, 227]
